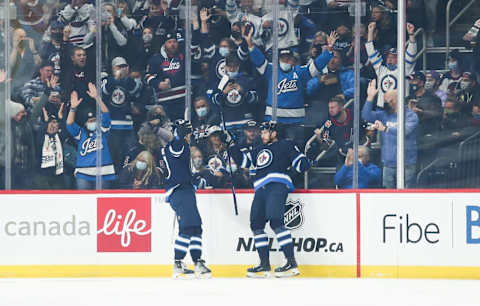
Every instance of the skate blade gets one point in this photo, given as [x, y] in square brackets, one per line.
[203, 275]
[289, 273]
[258, 274]
[183, 276]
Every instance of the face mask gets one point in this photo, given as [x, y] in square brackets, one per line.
[233, 168]
[236, 35]
[266, 34]
[476, 116]
[429, 85]
[202, 111]
[391, 67]
[21, 44]
[57, 36]
[465, 85]
[387, 107]
[232, 74]
[140, 165]
[285, 66]
[453, 66]
[414, 87]
[147, 38]
[138, 80]
[449, 111]
[91, 126]
[224, 51]
[197, 163]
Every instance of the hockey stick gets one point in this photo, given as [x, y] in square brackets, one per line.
[229, 163]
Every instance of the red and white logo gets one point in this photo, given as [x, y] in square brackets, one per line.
[124, 225]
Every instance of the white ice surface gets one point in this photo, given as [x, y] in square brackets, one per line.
[228, 292]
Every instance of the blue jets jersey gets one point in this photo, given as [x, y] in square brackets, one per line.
[118, 95]
[176, 156]
[291, 86]
[88, 144]
[272, 161]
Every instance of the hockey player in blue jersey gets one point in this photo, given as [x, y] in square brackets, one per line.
[180, 193]
[272, 184]
[292, 79]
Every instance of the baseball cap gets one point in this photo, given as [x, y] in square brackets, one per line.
[285, 52]
[119, 61]
[392, 51]
[435, 75]
[251, 124]
[170, 35]
[417, 75]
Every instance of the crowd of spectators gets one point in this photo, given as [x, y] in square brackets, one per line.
[65, 132]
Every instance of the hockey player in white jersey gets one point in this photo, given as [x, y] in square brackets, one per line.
[387, 74]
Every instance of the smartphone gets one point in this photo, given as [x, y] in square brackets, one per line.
[248, 27]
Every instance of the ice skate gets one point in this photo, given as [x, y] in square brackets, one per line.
[201, 270]
[260, 271]
[180, 271]
[290, 269]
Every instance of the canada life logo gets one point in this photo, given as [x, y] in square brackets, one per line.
[124, 225]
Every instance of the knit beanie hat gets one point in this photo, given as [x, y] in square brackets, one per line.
[14, 108]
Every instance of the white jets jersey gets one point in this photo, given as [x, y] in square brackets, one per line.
[287, 36]
[388, 79]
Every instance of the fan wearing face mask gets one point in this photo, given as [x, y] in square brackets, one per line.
[387, 74]
[428, 107]
[469, 93]
[204, 114]
[217, 55]
[87, 137]
[141, 173]
[292, 79]
[237, 97]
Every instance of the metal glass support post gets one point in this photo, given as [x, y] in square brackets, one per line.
[275, 63]
[188, 59]
[8, 86]
[401, 26]
[98, 85]
[356, 109]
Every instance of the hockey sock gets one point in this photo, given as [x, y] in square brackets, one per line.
[196, 248]
[261, 244]
[181, 246]
[285, 241]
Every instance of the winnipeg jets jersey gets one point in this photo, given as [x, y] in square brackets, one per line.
[388, 79]
[118, 95]
[88, 145]
[176, 156]
[287, 36]
[272, 161]
[291, 86]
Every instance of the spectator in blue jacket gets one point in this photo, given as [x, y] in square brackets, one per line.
[335, 79]
[369, 174]
[385, 121]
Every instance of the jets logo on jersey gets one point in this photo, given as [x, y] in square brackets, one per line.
[293, 216]
[264, 158]
[285, 86]
[220, 69]
[89, 146]
[283, 27]
[118, 97]
[388, 82]
[234, 97]
[215, 163]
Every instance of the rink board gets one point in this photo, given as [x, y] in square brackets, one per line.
[336, 234]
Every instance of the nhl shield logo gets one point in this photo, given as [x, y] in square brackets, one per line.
[293, 217]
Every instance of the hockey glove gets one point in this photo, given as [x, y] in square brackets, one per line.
[182, 128]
